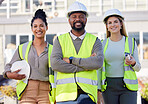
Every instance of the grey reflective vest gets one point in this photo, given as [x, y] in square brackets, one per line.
[23, 52]
[130, 78]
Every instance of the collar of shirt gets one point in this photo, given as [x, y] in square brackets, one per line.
[46, 48]
[75, 37]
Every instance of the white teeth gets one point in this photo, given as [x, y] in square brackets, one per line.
[39, 32]
[78, 23]
[113, 28]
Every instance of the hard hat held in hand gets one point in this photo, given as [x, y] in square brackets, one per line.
[76, 7]
[112, 12]
[24, 66]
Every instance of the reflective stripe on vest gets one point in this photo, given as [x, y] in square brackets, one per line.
[78, 79]
[130, 78]
[66, 83]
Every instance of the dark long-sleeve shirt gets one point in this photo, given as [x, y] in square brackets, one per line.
[78, 64]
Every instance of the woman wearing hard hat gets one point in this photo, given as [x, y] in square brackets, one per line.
[119, 81]
[33, 87]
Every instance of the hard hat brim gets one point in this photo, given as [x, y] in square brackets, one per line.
[105, 19]
[68, 14]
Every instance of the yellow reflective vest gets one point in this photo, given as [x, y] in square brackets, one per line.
[67, 83]
[23, 52]
[130, 78]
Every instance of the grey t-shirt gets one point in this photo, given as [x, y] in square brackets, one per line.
[114, 58]
[38, 64]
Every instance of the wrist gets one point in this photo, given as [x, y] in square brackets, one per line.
[7, 74]
[70, 59]
[133, 64]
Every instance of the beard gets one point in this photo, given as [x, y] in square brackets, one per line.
[78, 29]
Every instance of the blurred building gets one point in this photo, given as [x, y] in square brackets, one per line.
[16, 15]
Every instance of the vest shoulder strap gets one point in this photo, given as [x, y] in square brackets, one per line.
[49, 53]
[24, 50]
[130, 43]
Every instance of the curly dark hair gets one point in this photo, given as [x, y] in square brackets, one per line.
[41, 15]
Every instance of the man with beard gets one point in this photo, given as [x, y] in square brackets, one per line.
[75, 58]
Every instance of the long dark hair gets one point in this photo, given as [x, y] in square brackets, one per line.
[41, 15]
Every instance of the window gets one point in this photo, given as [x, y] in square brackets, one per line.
[118, 4]
[27, 5]
[107, 4]
[94, 6]
[141, 4]
[50, 38]
[137, 39]
[134, 35]
[24, 39]
[1, 54]
[36, 2]
[32, 37]
[10, 41]
[10, 46]
[130, 4]
[59, 5]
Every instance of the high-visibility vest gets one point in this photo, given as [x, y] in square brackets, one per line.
[67, 83]
[130, 78]
[23, 52]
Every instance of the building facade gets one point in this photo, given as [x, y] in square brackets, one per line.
[15, 17]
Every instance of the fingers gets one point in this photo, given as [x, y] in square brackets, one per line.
[15, 75]
[94, 54]
[17, 71]
[66, 60]
[20, 76]
[129, 61]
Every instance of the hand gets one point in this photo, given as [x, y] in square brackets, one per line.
[130, 61]
[94, 54]
[100, 98]
[15, 75]
[66, 60]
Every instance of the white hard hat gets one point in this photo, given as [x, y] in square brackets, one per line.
[25, 69]
[112, 12]
[77, 7]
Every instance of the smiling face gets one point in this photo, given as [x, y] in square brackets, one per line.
[113, 25]
[39, 28]
[77, 21]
